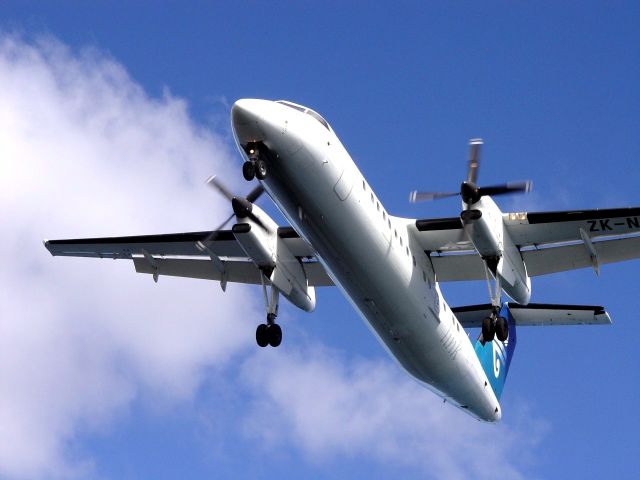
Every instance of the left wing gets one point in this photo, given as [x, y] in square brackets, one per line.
[177, 254]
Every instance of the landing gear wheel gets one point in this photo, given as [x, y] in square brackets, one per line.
[248, 171]
[488, 329]
[262, 335]
[502, 329]
[275, 335]
[261, 169]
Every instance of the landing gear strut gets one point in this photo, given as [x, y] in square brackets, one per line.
[494, 326]
[255, 167]
[269, 333]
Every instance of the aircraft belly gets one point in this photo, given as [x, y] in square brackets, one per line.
[376, 277]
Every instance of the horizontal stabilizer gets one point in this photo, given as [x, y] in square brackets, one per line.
[536, 314]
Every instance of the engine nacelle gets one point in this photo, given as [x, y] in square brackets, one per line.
[267, 250]
[258, 244]
[484, 226]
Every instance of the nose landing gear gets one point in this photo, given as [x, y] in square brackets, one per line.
[256, 166]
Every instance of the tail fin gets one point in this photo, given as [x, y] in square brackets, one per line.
[495, 356]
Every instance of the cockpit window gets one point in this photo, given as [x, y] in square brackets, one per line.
[308, 111]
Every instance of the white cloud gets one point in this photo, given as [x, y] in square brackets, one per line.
[328, 406]
[84, 151]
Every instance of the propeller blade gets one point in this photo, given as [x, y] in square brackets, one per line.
[201, 244]
[417, 196]
[217, 184]
[474, 159]
[255, 194]
[507, 188]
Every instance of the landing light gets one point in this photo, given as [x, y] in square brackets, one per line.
[520, 216]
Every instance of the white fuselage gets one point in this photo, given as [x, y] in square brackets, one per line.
[372, 256]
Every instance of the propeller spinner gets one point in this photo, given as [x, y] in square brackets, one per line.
[242, 206]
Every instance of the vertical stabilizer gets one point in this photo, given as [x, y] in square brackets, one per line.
[495, 356]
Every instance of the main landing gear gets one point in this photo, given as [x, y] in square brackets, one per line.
[256, 166]
[269, 333]
[494, 326]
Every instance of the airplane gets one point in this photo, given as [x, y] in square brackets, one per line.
[388, 267]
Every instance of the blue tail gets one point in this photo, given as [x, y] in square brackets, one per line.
[495, 356]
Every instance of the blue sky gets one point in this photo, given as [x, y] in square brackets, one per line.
[123, 111]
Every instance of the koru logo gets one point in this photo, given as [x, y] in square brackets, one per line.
[496, 361]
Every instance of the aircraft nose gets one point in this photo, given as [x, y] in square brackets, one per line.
[245, 120]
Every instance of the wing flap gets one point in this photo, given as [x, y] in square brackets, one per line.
[235, 271]
[570, 257]
[456, 268]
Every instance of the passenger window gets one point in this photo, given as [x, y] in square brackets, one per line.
[400, 241]
[424, 276]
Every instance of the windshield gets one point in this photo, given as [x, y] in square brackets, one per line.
[306, 110]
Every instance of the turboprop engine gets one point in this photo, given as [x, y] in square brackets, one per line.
[267, 250]
[484, 226]
[483, 223]
[257, 234]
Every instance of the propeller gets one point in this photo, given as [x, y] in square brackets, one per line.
[469, 190]
[242, 207]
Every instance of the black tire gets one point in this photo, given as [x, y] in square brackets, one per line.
[248, 171]
[502, 329]
[262, 335]
[261, 169]
[275, 335]
[488, 330]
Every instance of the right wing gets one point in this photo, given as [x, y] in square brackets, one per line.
[177, 254]
[549, 242]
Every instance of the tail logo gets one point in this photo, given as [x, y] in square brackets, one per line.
[498, 357]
